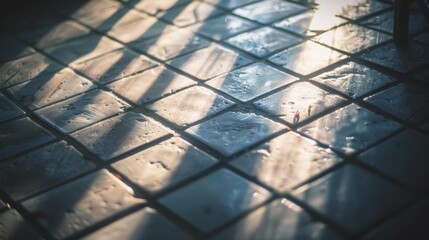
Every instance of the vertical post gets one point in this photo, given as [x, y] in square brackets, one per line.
[400, 24]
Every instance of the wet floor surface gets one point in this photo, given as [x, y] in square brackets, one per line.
[213, 119]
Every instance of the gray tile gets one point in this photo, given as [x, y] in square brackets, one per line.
[353, 198]
[251, 81]
[191, 105]
[143, 224]
[263, 41]
[164, 165]
[13, 226]
[154, 7]
[222, 196]
[280, 219]
[80, 111]
[403, 157]
[407, 101]
[114, 65]
[298, 102]
[24, 69]
[302, 60]
[354, 80]
[95, 197]
[358, 9]
[384, 22]
[286, 161]
[171, 44]
[12, 49]
[21, 135]
[402, 58]
[209, 62]
[118, 135]
[149, 85]
[48, 89]
[352, 38]
[41, 169]
[232, 132]
[222, 27]
[269, 11]
[8, 109]
[350, 129]
[189, 14]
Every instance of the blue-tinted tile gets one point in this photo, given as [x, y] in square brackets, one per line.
[8, 109]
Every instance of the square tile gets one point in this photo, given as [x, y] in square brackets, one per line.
[48, 89]
[114, 65]
[222, 27]
[403, 157]
[41, 169]
[80, 111]
[251, 81]
[8, 109]
[20, 135]
[154, 7]
[310, 23]
[404, 58]
[269, 11]
[303, 60]
[407, 101]
[143, 224]
[12, 49]
[164, 165]
[171, 44]
[350, 129]
[209, 62]
[14, 226]
[354, 80]
[82, 49]
[24, 69]
[298, 102]
[384, 22]
[263, 41]
[232, 132]
[358, 9]
[190, 105]
[95, 197]
[352, 38]
[281, 219]
[190, 13]
[230, 4]
[120, 134]
[149, 85]
[222, 195]
[286, 161]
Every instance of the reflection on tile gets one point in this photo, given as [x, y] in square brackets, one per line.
[8, 109]
[11, 49]
[286, 161]
[114, 65]
[384, 22]
[298, 102]
[222, 196]
[230, 4]
[269, 11]
[149, 85]
[189, 14]
[95, 197]
[251, 81]
[234, 131]
[278, 220]
[353, 9]
[80, 111]
[171, 44]
[20, 135]
[354, 79]
[118, 135]
[154, 7]
[351, 38]
[48, 89]
[13, 226]
[164, 164]
[190, 105]
[209, 62]
[143, 224]
[350, 129]
[222, 27]
[41, 169]
[79, 8]
[346, 195]
[263, 41]
[406, 101]
[303, 60]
